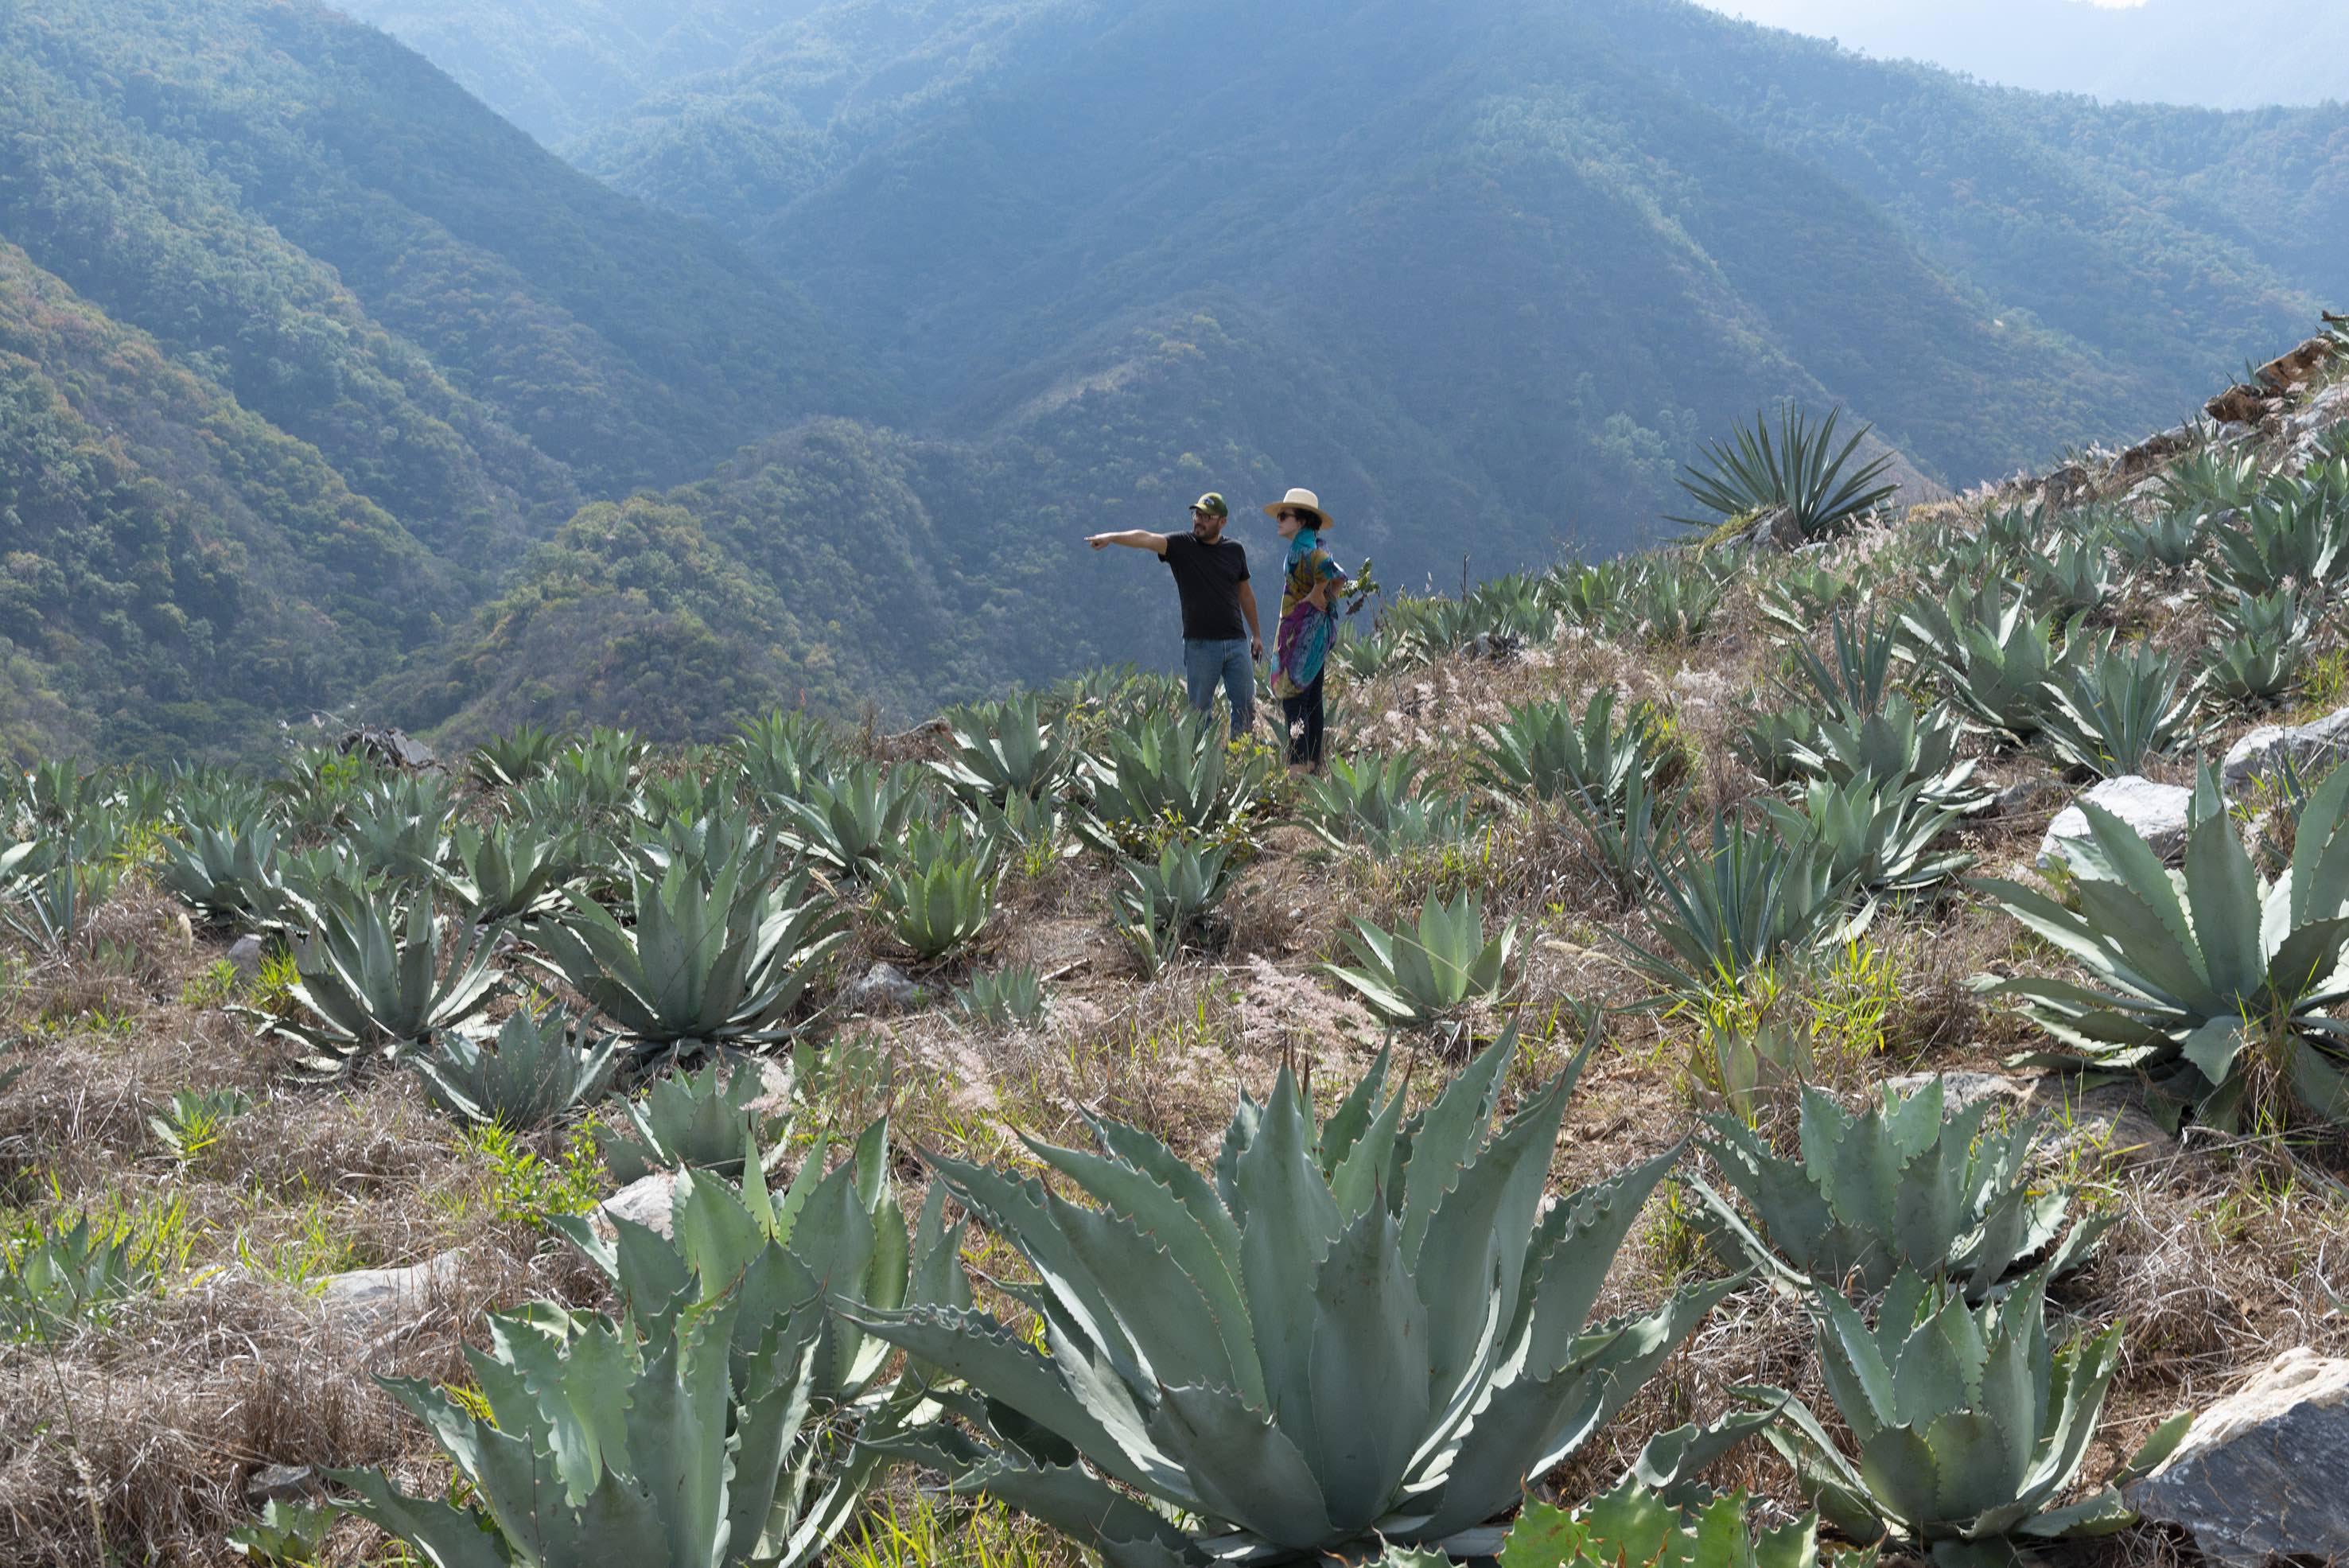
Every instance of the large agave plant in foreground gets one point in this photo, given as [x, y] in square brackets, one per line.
[715, 1422]
[2208, 982]
[1899, 1186]
[1967, 1427]
[1359, 1329]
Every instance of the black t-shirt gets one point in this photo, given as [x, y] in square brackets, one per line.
[1208, 578]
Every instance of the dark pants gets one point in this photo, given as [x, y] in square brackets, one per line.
[1303, 713]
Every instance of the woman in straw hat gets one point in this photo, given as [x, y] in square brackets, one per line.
[1301, 643]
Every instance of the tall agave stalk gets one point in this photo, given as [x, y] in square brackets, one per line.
[1364, 1329]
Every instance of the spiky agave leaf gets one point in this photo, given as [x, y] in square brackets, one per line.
[1799, 469]
[1965, 1426]
[1356, 1329]
[373, 980]
[1899, 1186]
[1422, 974]
[730, 1417]
[2195, 977]
[539, 1068]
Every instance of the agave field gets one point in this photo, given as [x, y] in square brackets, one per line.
[1650, 1102]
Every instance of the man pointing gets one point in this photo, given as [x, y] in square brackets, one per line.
[1221, 640]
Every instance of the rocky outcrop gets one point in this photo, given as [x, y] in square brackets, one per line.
[2157, 811]
[2265, 1472]
[2265, 751]
[370, 1301]
[392, 748]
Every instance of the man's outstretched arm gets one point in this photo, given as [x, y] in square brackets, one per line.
[1132, 539]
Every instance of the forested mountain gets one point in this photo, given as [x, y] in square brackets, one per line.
[284, 304]
[879, 305]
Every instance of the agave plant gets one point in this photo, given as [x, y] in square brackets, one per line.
[1634, 1527]
[1003, 749]
[193, 1120]
[374, 982]
[229, 875]
[2208, 479]
[1993, 657]
[1003, 999]
[1544, 750]
[512, 873]
[730, 1417]
[1170, 772]
[708, 960]
[783, 753]
[397, 829]
[2249, 673]
[1363, 1330]
[2075, 576]
[700, 1120]
[1414, 978]
[540, 1068]
[51, 1280]
[851, 823]
[1674, 603]
[1901, 744]
[51, 910]
[2114, 713]
[1363, 799]
[2295, 535]
[1776, 739]
[1630, 843]
[1967, 1427]
[1799, 470]
[1805, 594]
[1852, 686]
[2205, 979]
[1904, 1185]
[2169, 541]
[513, 759]
[1747, 1068]
[1730, 911]
[1870, 838]
[939, 908]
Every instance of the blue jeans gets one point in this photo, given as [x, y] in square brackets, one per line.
[1206, 664]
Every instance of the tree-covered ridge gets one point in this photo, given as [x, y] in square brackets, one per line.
[324, 215]
[1510, 214]
[174, 571]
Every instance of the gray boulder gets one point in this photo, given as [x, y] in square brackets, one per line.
[2266, 750]
[244, 957]
[2157, 811]
[883, 988]
[2265, 1472]
[645, 1200]
[368, 1301]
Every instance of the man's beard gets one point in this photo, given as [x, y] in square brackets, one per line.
[1205, 532]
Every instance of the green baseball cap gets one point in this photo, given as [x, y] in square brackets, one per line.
[1212, 504]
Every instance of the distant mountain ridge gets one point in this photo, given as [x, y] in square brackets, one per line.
[889, 309]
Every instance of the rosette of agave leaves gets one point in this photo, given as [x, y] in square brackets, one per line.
[1356, 1331]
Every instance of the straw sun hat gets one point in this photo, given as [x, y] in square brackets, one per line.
[1299, 501]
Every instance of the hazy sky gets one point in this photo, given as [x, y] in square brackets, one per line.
[2221, 53]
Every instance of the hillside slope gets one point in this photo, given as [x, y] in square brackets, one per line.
[318, 300]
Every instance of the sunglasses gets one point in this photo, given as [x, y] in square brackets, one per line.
[1294, 517]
